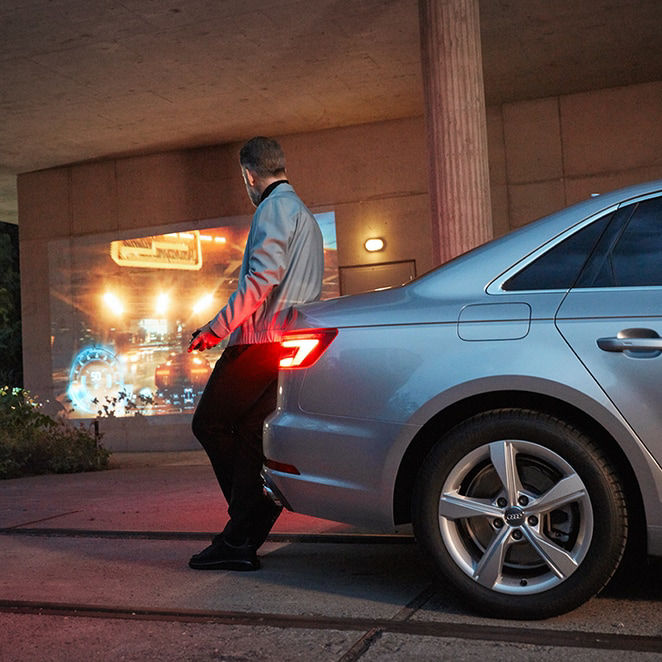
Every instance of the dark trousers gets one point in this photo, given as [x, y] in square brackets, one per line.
[240, 393]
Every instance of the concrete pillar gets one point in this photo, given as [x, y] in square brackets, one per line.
[456, 126]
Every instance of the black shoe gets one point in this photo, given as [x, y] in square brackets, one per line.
[269, 513]
[221, 555]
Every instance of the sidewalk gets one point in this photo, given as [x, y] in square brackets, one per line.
[95, 567]
[119, 540]
[156, 492]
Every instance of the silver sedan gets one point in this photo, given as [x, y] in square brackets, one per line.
[508, 404]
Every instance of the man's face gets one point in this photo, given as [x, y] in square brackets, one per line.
[253, 193]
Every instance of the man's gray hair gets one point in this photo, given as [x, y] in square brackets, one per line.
[263, 156]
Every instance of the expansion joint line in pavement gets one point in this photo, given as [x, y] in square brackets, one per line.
[9, 529]
[374, 627]
[368, 638]
[328, 538]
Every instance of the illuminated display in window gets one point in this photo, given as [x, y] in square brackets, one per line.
[177, 250]
[122, 314]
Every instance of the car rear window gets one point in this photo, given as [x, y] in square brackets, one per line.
[558, 268]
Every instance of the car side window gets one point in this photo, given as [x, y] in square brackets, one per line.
[630, 253]
[558, 268]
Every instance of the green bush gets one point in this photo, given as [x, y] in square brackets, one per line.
[34, 443]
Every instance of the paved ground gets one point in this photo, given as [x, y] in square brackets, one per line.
[94, 567]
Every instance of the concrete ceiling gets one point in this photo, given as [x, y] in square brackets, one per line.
[85, 80]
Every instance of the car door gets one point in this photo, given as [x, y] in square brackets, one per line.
[612, 318]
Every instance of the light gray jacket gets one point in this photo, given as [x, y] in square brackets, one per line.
[283, 266]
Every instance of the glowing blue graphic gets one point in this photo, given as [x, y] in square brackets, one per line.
[95, 375]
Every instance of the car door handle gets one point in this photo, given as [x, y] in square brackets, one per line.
[632, 340]
[623, 344]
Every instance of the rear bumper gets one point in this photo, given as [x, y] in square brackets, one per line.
[347, 467]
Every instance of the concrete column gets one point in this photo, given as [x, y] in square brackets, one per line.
[456, 126]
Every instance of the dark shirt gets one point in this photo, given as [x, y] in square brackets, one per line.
[270, 188]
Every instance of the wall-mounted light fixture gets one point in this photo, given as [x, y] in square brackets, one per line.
[374, 244]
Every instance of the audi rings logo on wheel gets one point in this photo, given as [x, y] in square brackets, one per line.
[514, 516]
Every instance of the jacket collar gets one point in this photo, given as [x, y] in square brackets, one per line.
[267, 191]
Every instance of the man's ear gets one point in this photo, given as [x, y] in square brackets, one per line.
[251, 178]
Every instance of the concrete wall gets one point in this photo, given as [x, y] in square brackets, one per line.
[544, 154]
[548, 153]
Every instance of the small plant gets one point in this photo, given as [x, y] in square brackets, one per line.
[33, 443]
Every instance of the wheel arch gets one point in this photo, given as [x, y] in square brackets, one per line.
[459, 411]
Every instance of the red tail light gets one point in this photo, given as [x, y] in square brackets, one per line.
[282, 467]
[300, 349]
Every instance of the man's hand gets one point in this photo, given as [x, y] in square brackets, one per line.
[203, 338]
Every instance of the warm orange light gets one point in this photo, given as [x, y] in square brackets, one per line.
[113, 303]
[203, 303]
[162, 304]
[374, 244]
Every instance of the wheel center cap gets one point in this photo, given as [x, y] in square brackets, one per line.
[514, 516]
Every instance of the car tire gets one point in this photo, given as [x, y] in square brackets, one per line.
[520, 513]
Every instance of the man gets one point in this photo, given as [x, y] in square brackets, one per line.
[282, 266]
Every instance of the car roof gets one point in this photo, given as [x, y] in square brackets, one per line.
[491, 259]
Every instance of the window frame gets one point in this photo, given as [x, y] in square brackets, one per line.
[617, 235]
[497, 285]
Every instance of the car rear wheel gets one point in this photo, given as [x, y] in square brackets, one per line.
[521, 513]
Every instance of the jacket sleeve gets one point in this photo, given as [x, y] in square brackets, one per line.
[266, 266]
